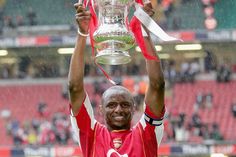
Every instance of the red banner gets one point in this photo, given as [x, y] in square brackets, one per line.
[5, 152]
[225, 149]
[67, 151]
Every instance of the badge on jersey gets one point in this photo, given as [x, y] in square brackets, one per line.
[117, 142]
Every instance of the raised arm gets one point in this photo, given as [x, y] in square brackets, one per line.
[154, 96]
[76, 71]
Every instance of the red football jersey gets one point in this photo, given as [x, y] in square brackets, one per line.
[97, 141]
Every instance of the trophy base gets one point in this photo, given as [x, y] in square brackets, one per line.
[113, 57]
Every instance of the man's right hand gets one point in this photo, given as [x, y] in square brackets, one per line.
[83, 17]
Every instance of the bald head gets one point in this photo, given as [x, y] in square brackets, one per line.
[117, 90]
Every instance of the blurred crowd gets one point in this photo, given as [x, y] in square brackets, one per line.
[165, 15]
[175, 71]
[55, 128]
[7, 21]
[180, 128]
[43, 129]
[48, 128]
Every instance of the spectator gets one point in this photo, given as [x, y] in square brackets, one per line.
[42, 108]
[170, 73]
[32, 136]
[199, 101]
[19, 137]
[215, 133]
[184, 72]
[65, 91]
[204, 132]
[223, 73]
[209, 61]
[194, 69]
[1, 20]
[97, 87]
[16, 132]
[182, 118]
[181, 134]
[32, 17]
[9, 22]
[61, 128]
[46, 133]
[233, 108]
[208, 100]
[176, 23]
[20, 20]
[167, 7]
[196, 123]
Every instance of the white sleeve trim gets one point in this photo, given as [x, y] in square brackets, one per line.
[89, 110]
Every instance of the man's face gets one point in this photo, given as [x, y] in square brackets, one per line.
[118, 109]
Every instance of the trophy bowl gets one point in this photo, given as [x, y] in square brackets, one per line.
[112, 37]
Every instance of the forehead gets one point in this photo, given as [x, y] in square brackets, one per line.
[117, 95]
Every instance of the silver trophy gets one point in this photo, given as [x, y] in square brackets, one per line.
[112, 37]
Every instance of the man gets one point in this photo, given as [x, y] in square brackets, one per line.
[116, 137]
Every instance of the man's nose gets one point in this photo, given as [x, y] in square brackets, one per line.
[118, 108]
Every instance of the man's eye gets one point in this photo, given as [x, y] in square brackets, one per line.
[125, 105]
[111, 105]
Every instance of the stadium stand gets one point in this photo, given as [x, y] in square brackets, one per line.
[219, 112]
[224, 11]
[28, 97]
[54, 18]
[61, 12]
[47, 12]
[184, 12]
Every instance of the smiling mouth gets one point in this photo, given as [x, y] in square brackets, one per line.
[118, 118]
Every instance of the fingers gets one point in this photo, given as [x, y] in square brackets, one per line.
[148, 5]
[82, 16]
[78, 6]
[81, 10]
[149, 9]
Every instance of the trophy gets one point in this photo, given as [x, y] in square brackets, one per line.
[112, 38]
[110, 33]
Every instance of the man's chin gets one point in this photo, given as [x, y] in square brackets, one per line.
[119, 126]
